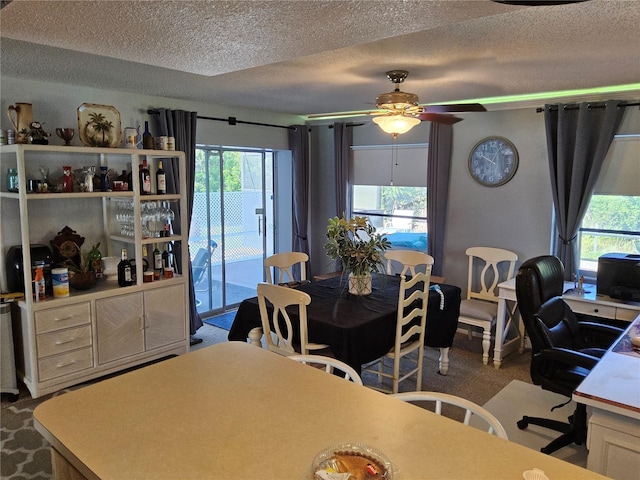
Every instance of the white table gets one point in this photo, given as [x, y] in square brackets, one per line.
[233, 411]
[590, 304]
[612, 391]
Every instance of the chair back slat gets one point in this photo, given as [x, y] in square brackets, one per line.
[283, 264]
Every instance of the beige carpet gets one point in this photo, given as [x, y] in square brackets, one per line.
[520, 398]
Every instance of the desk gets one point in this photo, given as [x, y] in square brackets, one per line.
[588, 304]
[612, 390]
[359, 329]
[220, 413]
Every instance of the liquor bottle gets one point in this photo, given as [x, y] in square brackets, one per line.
[166, 259]
[157, 262]
[161, 179]
[104, 179]
[147, 139]
[125, 276]
[145, 179]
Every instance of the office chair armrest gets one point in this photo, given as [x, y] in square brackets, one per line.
[599, 334]
[568, 357]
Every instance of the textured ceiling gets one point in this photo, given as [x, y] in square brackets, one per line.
[311, 56]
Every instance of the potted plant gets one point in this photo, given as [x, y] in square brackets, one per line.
[36, 134]
[360, 249]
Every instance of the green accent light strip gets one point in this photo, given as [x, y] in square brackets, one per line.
[548, 95]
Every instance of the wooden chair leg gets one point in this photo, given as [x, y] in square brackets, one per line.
[486, 344]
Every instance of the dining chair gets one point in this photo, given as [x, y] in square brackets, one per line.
[411, 323]
[409, 259]
[488, 267]
[283, 263]
[278, 329]
[330, 366]
[471, 409]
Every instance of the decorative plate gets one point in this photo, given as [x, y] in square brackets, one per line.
[356, 459]
[99, 125]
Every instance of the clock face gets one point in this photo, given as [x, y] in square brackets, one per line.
[493, 161]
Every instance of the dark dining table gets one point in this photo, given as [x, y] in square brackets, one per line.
[360, 329]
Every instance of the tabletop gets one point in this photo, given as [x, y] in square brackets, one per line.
[233, 411]
[359, 329]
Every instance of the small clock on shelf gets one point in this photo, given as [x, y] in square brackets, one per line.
[66, 248]
[493, 161]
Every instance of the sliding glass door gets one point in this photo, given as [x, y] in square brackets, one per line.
[232, 225]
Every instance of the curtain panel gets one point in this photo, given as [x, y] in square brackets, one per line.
[182, 126]
[578, 139]
[438, 174]
[299, 144]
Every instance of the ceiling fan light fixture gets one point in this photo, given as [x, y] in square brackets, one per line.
[396, 124]
[397, 100]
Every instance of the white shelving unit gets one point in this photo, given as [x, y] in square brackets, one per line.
[66, 341]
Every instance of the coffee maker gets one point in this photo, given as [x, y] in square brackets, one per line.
[41, 255]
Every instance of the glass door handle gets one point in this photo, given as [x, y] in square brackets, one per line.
[259, 226]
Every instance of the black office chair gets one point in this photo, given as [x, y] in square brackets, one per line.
[564, 350]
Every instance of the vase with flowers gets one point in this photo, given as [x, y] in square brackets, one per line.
[356, 244]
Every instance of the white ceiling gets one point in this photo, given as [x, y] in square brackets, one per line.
[312, 56]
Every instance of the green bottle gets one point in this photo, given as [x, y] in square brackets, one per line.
[95, 260]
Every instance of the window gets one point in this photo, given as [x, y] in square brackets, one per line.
[612, 221]
[389, 187]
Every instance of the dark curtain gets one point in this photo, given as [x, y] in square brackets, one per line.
[342, 140]
[182, 126]
[578, 138]
[438, 173]
[299, 144]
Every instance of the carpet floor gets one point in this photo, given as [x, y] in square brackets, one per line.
[25, 454]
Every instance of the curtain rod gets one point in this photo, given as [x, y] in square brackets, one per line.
[598, 105]
[231, 121]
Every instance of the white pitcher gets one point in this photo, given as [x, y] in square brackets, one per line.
[20, 115]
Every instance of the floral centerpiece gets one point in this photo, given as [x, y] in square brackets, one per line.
[360, 249]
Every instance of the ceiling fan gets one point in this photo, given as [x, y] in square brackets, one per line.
[400, 111]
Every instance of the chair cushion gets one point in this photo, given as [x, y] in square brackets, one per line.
[479, 309]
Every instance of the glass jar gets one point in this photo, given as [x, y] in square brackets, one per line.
[12, 180]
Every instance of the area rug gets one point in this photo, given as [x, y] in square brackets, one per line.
[519, 398]
[223, 321]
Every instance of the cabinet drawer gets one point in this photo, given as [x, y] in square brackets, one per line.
[588, 308]
[70, 362]
[626, 314]
[64, 317]
[63, 341]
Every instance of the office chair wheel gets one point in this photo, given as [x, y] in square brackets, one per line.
[524, 423]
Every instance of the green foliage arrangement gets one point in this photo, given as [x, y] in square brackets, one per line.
[355, 242]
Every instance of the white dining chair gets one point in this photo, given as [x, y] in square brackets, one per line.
[494, 425]
[283, 263]
[408, 259]
[330, 366]
[411, 324]
[488, 267]
[278, 328]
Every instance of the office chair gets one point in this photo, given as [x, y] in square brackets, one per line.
[563, 349]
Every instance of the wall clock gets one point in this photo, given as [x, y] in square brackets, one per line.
[493, 161]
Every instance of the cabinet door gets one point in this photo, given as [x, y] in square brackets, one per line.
[120, 327]
[165, 320]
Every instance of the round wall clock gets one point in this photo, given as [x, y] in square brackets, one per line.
[493, 161]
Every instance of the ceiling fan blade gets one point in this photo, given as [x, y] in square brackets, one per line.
[346, 114]
[439, 118]
[454, 108]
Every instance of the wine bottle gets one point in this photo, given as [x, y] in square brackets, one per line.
[145, 179]
[161, 179]
[166, 261]
[125, 276]
[147, 139]
[157, 262]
